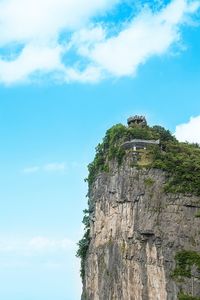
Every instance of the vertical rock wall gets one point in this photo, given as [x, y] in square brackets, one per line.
[136, 231]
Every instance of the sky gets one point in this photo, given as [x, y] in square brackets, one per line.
[69, 70]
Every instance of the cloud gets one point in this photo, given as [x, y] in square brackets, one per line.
[147, 35]
[54, 167]
[70, 40]
[190, 131]
[45, 244]
[44, 20]
[49, 167]
[37, 25]
[46, 252]
[33, 58]
[35, 245]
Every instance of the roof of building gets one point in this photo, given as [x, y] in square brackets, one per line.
[139, 143]
[137, 119]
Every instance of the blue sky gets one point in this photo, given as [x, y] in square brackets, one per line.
[66, 76]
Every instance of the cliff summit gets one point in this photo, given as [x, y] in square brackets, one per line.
[142, 224]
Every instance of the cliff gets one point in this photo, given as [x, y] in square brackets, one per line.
[142, 237]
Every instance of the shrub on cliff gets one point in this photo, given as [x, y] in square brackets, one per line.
[181, 161]
[83, 244]
[110, 148]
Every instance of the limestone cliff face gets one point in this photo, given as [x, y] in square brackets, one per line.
[136, 229]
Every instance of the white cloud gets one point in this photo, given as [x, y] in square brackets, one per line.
[60, 38]
[33, 58]
[49, 167]
[45, 244]
[147, 35]
[37, 25]
[54, 167]
[190, 131]
[29, 20]
[35, 245]
[89, 74]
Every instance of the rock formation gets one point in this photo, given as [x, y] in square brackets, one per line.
[143, 242]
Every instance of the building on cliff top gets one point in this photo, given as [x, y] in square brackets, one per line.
[137, 144]
[137, 120]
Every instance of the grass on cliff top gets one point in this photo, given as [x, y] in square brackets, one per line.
[181, 161]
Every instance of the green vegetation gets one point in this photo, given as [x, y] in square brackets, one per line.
[197, 215]
[182, 296]
[184, 262]
[181, 161]
[149, 182]
[83, 244]
[84, 296]
[110, 148]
